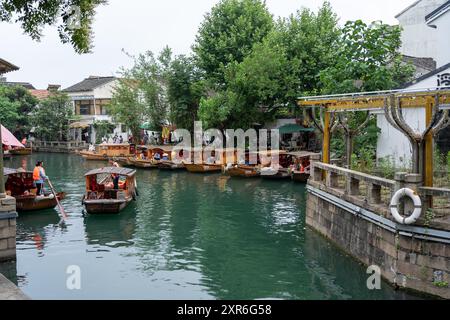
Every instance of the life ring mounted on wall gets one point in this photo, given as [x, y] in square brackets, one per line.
[405, 192]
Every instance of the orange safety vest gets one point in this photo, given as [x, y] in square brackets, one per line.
[36, 174]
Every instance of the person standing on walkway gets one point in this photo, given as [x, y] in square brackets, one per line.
[39, 177]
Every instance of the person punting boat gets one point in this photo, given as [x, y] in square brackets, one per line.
[109, 190]
[21, 185]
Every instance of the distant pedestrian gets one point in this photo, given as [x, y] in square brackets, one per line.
[120, 139]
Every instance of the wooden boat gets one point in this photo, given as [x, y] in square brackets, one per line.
[214, 164]
[20, 186]
[105, 152]
[143, 164]
[274, 174]
[301, 172]
[123, 162]
[203, 168]
[21, 151]
[242, 171]
[101, 197]
[169, 165]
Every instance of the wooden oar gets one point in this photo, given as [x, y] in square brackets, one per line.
[57, 200]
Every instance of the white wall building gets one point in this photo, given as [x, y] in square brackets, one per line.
[439, 22]
[394, 144]
[418, 39]
[90, 99]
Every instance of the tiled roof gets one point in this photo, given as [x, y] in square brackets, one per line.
[89, 84]
[6, 66]
[438, 12]
[425, 63]
[26, 85]
[426, 76]
[40, 94]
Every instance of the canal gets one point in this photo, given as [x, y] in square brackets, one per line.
[187, 237]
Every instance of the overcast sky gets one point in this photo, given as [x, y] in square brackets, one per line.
[140, 25]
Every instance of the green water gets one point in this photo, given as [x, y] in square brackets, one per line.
[187, 237]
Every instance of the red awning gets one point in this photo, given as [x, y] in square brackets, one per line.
[9, 139]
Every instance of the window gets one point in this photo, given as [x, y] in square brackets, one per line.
[84, 107]
[102, 106]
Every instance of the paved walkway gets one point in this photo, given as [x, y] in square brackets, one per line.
[9, 291]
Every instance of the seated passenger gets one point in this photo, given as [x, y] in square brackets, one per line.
[165, 157]
[157, 157]
[211, 160]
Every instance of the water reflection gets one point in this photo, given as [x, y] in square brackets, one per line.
[189, 236]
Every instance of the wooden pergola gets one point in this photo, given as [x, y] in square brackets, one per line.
[435, 102]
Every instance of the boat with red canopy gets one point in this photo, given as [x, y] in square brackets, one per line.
[20, 185]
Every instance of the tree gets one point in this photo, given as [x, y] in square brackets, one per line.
[141, 94]
[75, 16]
[366, 58]
[16, 103]
[184, 90]
[51, 118]
[228, 34]
[286, 64]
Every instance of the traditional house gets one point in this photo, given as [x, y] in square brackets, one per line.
[90, 100]
[425, 35]
[6, 66]
[439, 21]
[391, 142]
[418, 39]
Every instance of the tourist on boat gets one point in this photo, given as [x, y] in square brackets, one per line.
[23, 167]
[165, 157]
[91, 147]
[39, 177]
[146, 139]
[211, 160]
[157, 157]
[24, 141]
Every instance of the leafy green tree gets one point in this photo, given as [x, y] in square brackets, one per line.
[366, 58]
[51, 117]
[228, 34]
[184, 90]
[76, 18]
[16, 103]
[286, 64]
[102, 129]
[141, 95]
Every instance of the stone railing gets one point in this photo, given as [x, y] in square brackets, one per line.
[375, 193]
[59, 146]
[333, 176]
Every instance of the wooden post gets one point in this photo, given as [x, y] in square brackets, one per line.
[326, 138]
[428, 156]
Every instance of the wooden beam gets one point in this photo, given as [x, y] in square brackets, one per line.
[428, 156]
[326, 138]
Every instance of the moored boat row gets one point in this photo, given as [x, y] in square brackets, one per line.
[289, 165]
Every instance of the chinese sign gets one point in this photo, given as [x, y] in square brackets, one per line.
[443, 80]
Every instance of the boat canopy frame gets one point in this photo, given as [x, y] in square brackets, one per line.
[125, 172]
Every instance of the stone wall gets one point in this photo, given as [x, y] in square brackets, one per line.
[405, 262]
[8, 217]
